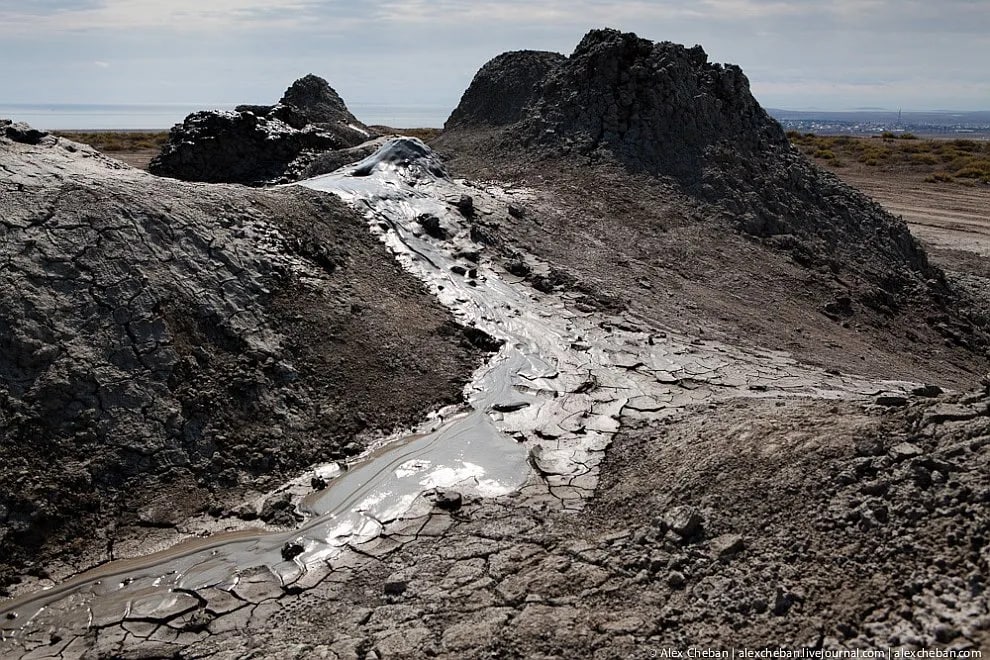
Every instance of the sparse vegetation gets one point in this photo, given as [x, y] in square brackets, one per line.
[424, 134]
[117, 141]
[942, 161]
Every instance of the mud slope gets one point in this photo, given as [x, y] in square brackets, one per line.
[660, 184]
[165, 346]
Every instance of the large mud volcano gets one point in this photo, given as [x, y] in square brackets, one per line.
[650, 137]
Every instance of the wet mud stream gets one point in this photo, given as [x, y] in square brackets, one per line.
[537, 420]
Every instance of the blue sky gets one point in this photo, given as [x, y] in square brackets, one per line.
[835, 54]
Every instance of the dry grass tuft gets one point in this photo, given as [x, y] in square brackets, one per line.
[943, 161]
[116, 141]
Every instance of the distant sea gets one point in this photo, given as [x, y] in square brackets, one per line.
[67, 116]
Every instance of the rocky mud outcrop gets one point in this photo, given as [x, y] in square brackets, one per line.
[664, 109]
[257, 144]
[165, 345]
[503, 90]
[651, 139]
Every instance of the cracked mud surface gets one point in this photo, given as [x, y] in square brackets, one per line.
[787, 538]
[537, 573]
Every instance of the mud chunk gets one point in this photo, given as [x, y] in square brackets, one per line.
[543, 284]
[449, 500]
[395, 587]
[474, 256]
[685, 521]
[21, 132]
[279, 510]
[785, 600]
[291, 550]
[840, 308]
[518, 267]
[927, 391]
[904, 451]
[481, 339]
[510, 407]
[727, 545]
[869, 447]
[431, 225]
[466, 206]
[245, 512]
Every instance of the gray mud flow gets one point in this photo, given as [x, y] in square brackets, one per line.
[539, 415]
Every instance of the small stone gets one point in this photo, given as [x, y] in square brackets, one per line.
[449, 500]
[676, 580]
[510, 407]
[291, 550]
[927, 391]
[318, 483]
[726, 545]
[891, 400]
[466, 206]
[904, 451]
[685, 520]
[395, 587]
[515, 211]
[431, 225]
[457, 269]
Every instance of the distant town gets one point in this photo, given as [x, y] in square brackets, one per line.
[972, 125]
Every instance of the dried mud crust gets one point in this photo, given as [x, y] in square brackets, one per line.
[164, 346]
[782, 523]
[952, 221]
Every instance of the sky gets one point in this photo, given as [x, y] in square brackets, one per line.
[824, 55]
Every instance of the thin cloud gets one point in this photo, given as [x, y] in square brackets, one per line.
[523, 13]
[178, 15]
